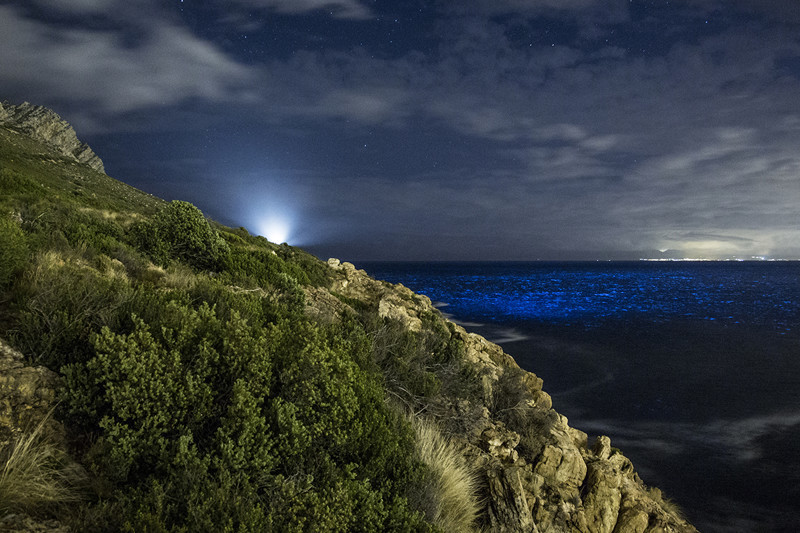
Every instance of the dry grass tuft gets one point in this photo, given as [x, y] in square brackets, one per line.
[37, 478]
[179, 276]
[449, 498]
[669, 506]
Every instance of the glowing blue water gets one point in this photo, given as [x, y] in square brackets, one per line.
[757, 294]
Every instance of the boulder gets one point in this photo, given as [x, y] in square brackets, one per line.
[27, 395]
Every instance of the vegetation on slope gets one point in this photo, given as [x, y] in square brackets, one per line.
[214, 381]
[197, 394]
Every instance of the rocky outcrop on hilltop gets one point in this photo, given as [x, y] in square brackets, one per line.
[538, 474]
[46, 126]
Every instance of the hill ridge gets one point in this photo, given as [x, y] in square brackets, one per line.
[47, 126]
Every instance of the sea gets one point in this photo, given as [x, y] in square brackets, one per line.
[691, 368]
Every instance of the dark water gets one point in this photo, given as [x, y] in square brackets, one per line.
[692, 369]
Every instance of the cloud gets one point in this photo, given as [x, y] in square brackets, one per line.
[737, 440]
[614, 10]
[604, 146]
[168, 65]
[78, 7]
[778, 11]
[345, 9]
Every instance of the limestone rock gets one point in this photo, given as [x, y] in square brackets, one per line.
[322, 306]
[508, 510]
[46, 126]
[632, 521]
[499, 442]
[354, 283]
[539, 474]
[602, 496]
[542, 400]
[602, 447]
[392, 306]
[27, 395]
[392, 301]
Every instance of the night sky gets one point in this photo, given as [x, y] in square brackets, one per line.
[439, 130]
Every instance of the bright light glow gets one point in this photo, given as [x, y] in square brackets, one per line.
[274, 229]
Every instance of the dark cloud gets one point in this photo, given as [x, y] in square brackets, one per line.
[346, 9]
[576, 126]
[97, 71]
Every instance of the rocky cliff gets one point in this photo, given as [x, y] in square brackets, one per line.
[537, 473]
[46, 126]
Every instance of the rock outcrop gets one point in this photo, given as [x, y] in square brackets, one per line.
[27, 395]
[47, 127]
[538, 473]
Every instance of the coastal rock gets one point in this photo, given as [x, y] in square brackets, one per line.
[395, 302]
[602, 496]
[353, 283]
[539, 473]
[322, 306]
[507, 505]
[27, 395]
[632, 520]
[499, 442]
[394, 307]
[602, 447]
[48, 127]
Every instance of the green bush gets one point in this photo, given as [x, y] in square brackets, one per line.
[286, 421]
[189, 237]
[405, 358]
[304, 267]
[248, 267]
[61, 302]
[13, 250]
[146, 238]
[92, 231]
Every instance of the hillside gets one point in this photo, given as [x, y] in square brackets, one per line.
[161, 372]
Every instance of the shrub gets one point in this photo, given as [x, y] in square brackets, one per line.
[61, 303]
[246, 266]
[189, 237]
[510, 391]
[13, 250]
[666, 504]
[406, 361]
[146, 238]
[304, 267]
[15, 183]
[242, 425]
[89, 229]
